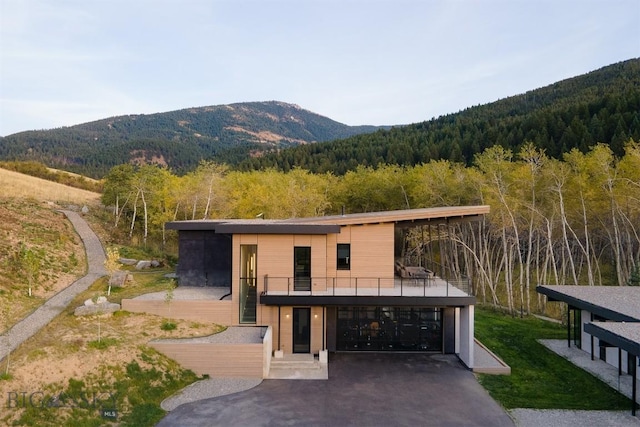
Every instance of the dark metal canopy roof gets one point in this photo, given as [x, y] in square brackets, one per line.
[240, 226]
[619, 334]
[619, 303]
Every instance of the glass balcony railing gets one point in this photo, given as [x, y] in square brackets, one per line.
[368, 286]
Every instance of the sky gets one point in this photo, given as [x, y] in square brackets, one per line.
[375, 62]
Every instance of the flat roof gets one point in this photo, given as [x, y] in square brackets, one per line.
[331, 224]
[620, 303]
[253, 226]
[619, 334]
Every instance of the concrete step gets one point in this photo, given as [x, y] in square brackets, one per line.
[298, 367]
[295, 365]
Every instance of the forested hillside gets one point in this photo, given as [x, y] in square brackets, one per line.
[599, 107]
[178, 139]
[570, 221]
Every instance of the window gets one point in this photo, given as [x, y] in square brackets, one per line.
[344, 256]
[302, 268]
[248, 277]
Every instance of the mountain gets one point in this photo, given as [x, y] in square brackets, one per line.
[179, 139]
[598, 107]
[602, 106]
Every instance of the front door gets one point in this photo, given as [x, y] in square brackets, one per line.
[302, 330]
[302, 268]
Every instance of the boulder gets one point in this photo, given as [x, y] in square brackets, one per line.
[89, 302]
[84, 210]
[106, 307]
[118, 279]
[141, 265]
[101, 300]
[128, 261]
[155, 263]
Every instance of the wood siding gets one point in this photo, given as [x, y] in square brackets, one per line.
[372, 248]
[216, 360]
[219, 312]
[286, 335]
[371, 254]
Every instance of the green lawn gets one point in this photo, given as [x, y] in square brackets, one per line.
[539, 378]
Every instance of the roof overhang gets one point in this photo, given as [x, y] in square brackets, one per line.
[252, 227]
[407, 217]
[331, 224]
[625, 336]
[556, 294]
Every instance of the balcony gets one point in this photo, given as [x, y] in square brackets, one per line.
[328, 290]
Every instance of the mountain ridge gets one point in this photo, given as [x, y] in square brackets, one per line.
[602, 106]
[178, 138]
[575, 113]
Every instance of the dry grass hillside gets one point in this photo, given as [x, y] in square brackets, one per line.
[17, 185]
[75, 357]
[31, 223]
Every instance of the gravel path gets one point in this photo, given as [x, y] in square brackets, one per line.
[31, 324]
[568, 418]
[205, 389]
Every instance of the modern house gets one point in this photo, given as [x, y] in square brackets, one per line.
[312, 286]
[604, 321]
[338, 283]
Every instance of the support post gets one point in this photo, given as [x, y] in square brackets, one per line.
[634, 386]
[568, 326]
[619, 361]
[324, 332]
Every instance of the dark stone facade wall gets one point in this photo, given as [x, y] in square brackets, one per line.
[204, 259]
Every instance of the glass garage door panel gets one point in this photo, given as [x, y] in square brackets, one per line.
[389, 329]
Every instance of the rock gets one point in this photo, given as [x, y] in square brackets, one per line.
[155, 263]
[101, 300]
[128, 261]
[84, 210]
[141, 265]
[89, 302]
[106, 307]
[118, 278]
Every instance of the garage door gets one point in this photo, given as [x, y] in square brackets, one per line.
[389, 329]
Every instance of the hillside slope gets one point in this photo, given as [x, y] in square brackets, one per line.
[16, 185]
[179, 139]
[601, 106]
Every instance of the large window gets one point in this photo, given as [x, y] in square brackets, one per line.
[344, 256]
[248, 278]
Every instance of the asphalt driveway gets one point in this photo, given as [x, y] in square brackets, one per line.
[373, 389]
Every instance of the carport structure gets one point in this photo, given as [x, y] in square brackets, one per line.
[608, 319]
[626, 337]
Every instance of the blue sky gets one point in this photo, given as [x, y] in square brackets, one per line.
[65, 62]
